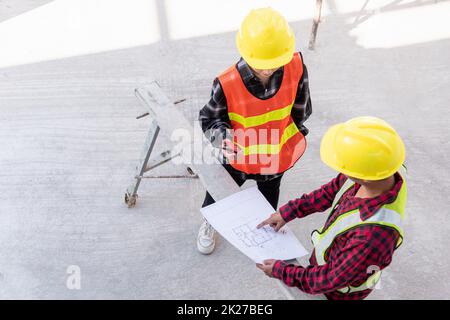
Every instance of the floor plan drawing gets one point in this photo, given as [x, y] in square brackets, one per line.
[252, 237]
[236, 218]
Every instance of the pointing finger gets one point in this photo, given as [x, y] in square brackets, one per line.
[262, 224]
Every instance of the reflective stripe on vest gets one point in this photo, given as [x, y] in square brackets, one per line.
[288, 133]
[248, 122]
[264, 130]
[389, 215]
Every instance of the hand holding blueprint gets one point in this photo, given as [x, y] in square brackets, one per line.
[236, 218]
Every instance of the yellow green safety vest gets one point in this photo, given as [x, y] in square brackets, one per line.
[389, 215]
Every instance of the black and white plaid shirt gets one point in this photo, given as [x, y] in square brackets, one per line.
[214, 118]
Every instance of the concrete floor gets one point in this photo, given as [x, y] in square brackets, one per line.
[70, 141]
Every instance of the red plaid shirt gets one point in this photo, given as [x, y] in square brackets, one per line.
[352, 253]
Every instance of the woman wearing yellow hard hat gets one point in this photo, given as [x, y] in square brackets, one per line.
[257, 109]
[367, 202]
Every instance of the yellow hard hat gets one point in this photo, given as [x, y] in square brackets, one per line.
[366, 148]
[265, 39]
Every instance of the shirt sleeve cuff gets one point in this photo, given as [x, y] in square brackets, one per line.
[278, 269]
[287, 213]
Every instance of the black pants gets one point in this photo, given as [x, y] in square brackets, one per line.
[270, 189]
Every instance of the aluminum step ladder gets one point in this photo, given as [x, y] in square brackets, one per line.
[164, 114]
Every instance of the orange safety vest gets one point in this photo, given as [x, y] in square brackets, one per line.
[267, 138]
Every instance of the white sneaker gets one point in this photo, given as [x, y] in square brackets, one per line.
[205, 238]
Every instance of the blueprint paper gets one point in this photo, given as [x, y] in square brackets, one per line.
[236, 218]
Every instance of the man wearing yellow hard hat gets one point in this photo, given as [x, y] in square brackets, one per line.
[367, 203]
[257, 109]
